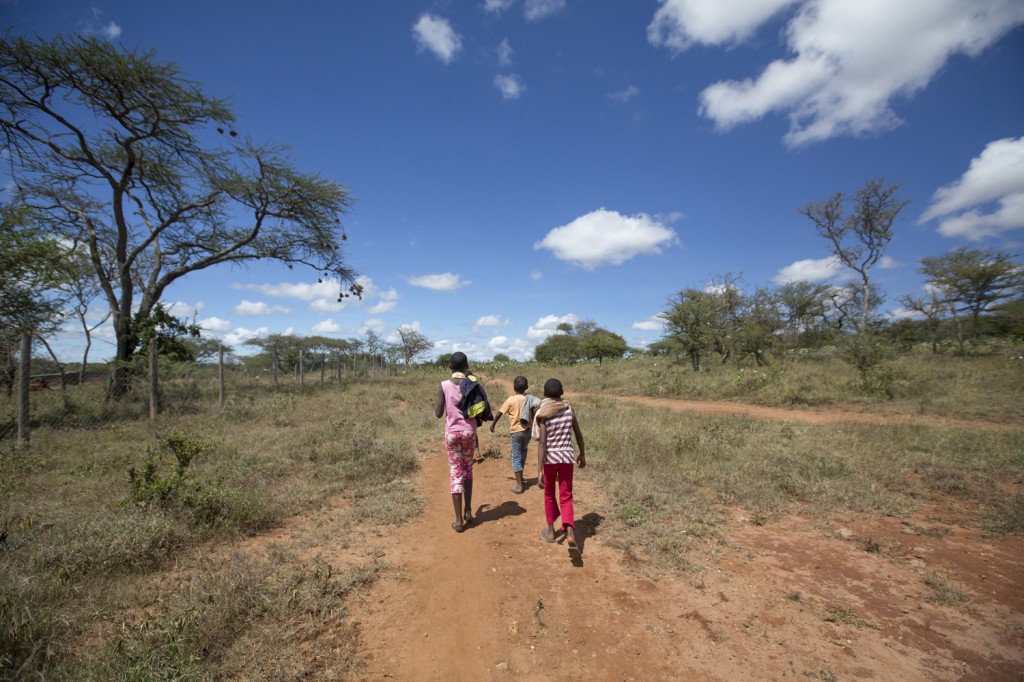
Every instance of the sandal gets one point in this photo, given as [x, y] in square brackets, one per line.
[547, 538]
[516, 489]
[458, 527]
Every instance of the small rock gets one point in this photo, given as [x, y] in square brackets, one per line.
[503, 665]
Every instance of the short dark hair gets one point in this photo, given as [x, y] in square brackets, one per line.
[520, 384]
[552, 388]
[459, 362]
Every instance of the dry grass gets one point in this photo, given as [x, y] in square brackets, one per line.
[103, 578]
[109, 577]
[989, 386]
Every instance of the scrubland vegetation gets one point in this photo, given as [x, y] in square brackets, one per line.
[129, 547]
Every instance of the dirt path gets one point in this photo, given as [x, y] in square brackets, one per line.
[788, 600]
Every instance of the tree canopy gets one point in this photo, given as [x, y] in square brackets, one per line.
[117, 151]
[859, 238]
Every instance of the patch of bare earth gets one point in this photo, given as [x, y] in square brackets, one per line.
[792, 599]
[786, 600]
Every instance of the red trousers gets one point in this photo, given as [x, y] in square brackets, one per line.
[562, 475]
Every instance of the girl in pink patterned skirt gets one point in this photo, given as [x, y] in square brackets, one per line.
[459, 439]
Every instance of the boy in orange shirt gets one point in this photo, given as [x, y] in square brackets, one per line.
[519, 408]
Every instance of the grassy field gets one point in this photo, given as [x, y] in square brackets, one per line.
[125, 554]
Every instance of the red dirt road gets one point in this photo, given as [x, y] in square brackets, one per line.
[788, 600]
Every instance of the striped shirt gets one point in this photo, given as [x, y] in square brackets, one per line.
[558, 439]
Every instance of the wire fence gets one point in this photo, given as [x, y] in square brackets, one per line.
[38, 393]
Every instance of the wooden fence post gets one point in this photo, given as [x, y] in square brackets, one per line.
[24, 370]
[220, 374]
[154, 388]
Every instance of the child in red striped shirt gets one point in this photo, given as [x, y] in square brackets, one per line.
[556, 460]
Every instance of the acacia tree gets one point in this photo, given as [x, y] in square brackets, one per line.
[689, 323]
[120, 152]
[859, 238]
[802, 306]
[412, 342]
[972, 280]
[30, 267]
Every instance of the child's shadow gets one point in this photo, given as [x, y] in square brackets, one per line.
[586, 526]
[486, 513]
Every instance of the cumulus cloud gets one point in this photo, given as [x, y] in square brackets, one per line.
[504, 53]
[215, 325]
[849, 60]
[678, 24]
[604, 236]
[437, 35]
[239, 335]
[509, 85]
[327, 326]
[810, 270]
[498, 6]
[183, 310]
[444, 281]
[259, 308]
[625, 94]
[373, 324]
[322, 297]
[651, 324]
[535, 10]
[548, 325]
[388, 300]
[988, 199]
[98, 25]
[488, 321]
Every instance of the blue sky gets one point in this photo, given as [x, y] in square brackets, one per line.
[520, 163]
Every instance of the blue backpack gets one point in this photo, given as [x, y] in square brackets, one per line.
[473, 404]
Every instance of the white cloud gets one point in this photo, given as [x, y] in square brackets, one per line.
[445, 281]
[651, 324]
[625, 94]
[678, 24]
[259, 308]
[388, 300]
[504, 53]
[488, 321]
[437, 35]
[536, 276]
[510, 86]
[497, 6]
[498, 342]
[995, 176]
[215, 325]
[322, 296]
[849, 59]
[535, 10]
[548, 325]
[888, 263]
[239, 335]
[604, 236]
[183, 310]
[810, 270]
[327, 327]
[373, 324]
[96, 24]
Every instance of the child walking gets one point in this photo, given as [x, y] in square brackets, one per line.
[556, 423]
[519, 408]
[460, 440]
